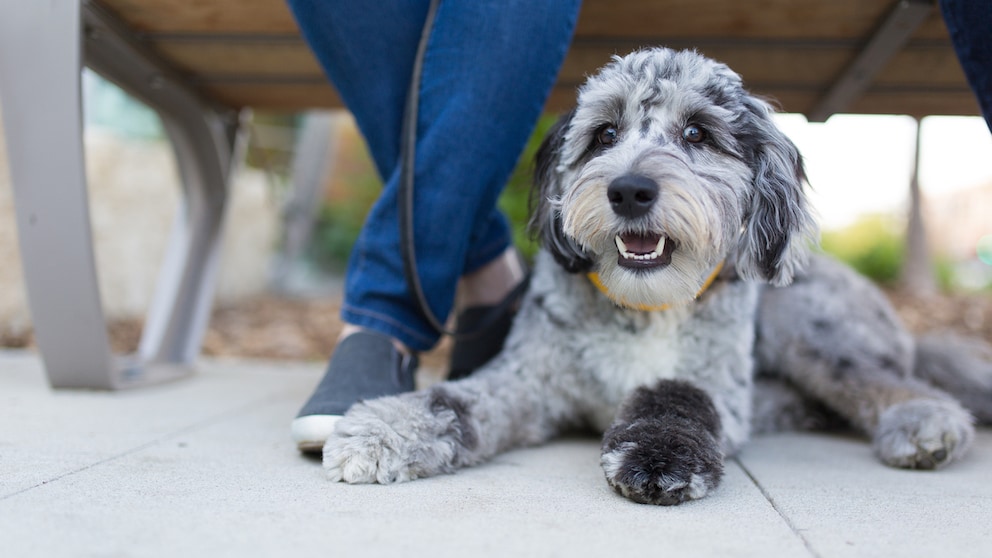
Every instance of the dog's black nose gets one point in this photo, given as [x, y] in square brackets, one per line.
[632, 195]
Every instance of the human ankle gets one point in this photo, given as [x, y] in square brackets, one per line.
[350, 329]
[491, 283]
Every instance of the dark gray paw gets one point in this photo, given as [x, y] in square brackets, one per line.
[654, 462]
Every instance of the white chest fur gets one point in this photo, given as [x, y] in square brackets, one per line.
[599, 353]
[708, 343]
[619, 360]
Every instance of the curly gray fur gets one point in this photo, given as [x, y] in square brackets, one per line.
[667, 147]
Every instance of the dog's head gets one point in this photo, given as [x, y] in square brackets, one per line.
[666, 168]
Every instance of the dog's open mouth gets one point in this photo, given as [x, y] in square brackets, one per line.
[644, 251]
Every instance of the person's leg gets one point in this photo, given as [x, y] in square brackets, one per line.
[370, 63]
[968, 23]
[367, 49]
[465, 152]
[488, 69]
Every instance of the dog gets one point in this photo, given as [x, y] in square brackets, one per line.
[676, 308]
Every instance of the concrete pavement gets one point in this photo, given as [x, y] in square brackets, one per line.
[204, 467]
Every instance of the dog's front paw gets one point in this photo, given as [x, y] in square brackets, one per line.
[923, 434]
[397, 439]
[367, 449]
[652, 463]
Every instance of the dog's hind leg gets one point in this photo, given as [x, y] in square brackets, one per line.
[778, 406]
[664, 446]
[834, 336]
[960, 366]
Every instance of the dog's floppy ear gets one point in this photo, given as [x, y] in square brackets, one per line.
[779, 224]
[545, 219]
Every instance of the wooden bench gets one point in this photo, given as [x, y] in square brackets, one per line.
[200, 63]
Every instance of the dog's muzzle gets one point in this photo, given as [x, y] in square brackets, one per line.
[632, 196]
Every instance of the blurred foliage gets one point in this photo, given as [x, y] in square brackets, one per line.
[337, 226]
[873, 245]
[273, 156]
[945, 274]
[515, 200]
[340, 220]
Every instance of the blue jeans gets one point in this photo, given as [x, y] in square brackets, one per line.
[970, 25]
[487, 72]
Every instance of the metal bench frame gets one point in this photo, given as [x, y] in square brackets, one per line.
[42, 49]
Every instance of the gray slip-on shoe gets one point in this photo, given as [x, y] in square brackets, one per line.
[365, 365]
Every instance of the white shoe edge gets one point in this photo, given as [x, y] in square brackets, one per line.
[310, 432]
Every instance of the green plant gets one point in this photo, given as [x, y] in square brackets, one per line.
[339, 222]
[515, 200]
[873, 245]
[944, 271]
[332, 238]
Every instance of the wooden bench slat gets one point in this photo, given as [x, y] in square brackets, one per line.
[249, 53]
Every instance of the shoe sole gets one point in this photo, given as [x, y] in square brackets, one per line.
[310, 432]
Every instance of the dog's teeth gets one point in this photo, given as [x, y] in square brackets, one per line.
[657, 252]
[660, 248]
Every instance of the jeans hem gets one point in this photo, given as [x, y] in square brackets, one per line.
[383, 323]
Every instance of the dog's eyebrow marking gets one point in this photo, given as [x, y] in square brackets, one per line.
[717, 93]
[645, 126]
[654, 96]
[616, 106]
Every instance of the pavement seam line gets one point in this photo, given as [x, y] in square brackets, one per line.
[792, 526]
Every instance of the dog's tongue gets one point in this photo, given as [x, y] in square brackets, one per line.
[640, 244]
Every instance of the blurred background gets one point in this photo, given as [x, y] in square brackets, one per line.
[284, 251]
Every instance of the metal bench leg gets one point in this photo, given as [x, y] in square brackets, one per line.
[208, 143]
[308, 174]
[40, 96]
[41, 104]
[205, 147]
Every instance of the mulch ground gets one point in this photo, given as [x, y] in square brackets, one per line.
[280, 328]
[269, 327]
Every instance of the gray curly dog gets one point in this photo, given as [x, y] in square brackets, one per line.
[676, 308]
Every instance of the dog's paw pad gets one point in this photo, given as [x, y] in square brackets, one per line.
[663, 471]
[923, 434]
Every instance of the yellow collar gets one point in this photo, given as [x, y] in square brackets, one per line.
[594, 277]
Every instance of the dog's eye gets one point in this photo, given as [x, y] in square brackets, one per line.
[693, 133]
[607, 134]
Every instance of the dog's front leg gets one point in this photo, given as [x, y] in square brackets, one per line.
[664, 446]
[441, 429]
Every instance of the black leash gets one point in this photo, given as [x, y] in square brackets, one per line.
[408, 142]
